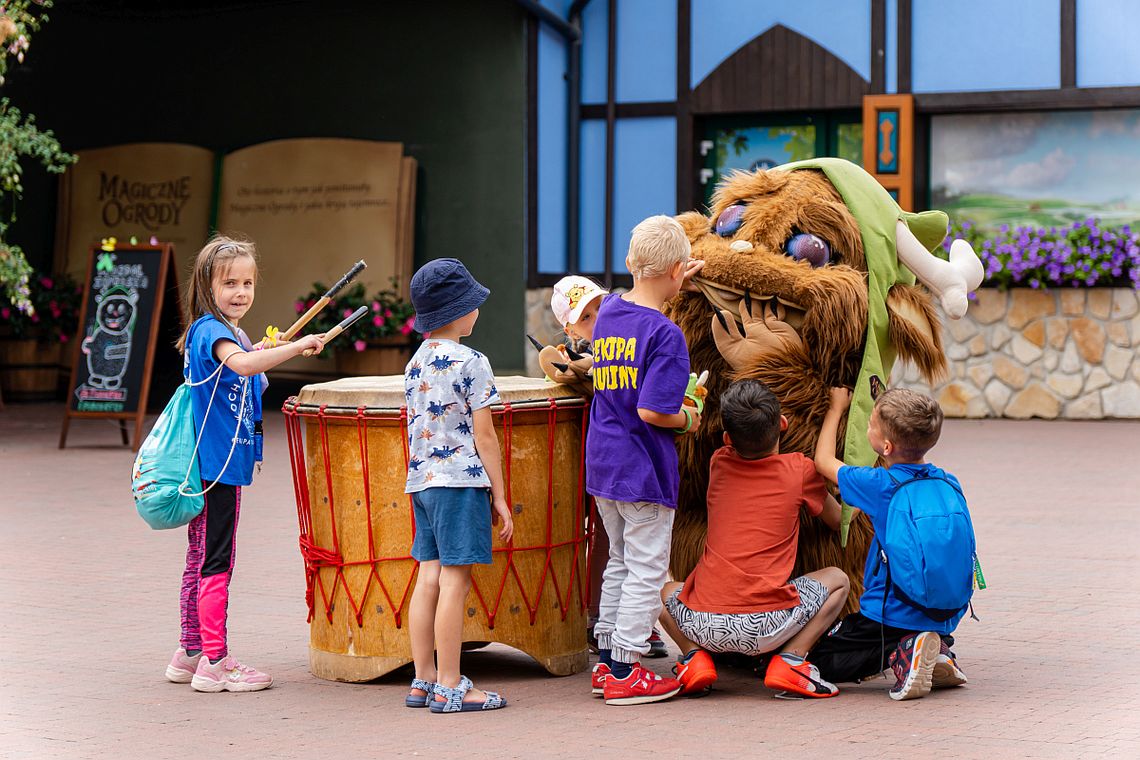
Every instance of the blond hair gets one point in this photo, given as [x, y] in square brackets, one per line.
[212, 261]
[657, 244]
[911, 421]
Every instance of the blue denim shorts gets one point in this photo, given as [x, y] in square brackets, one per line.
[453, 525]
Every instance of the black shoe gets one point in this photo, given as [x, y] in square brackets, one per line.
[657, 645]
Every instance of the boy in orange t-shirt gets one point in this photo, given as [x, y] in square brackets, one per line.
[739, 597]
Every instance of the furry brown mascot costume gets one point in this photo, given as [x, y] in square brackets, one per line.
[804, 288]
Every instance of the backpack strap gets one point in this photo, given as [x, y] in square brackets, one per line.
[237, 428]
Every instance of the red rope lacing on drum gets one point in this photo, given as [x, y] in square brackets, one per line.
[317, 558]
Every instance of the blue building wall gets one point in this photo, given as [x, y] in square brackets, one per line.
[986, 45]
[721, 27]
[961, 46]
[1107, 50]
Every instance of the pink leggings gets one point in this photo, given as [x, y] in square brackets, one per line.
[209, 567]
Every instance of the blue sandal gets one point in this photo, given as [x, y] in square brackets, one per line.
[415, 701]
[454, 699]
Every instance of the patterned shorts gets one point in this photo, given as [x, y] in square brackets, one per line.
[748, 633]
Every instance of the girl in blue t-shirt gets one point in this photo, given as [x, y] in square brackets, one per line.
[228, 375]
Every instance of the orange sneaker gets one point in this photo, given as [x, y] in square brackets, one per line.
[639, 687]
[803, 679]
[697, 673]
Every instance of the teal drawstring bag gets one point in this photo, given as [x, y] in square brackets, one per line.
[167, 462]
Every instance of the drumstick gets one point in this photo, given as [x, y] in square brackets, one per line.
[346, 323]
[324, 300]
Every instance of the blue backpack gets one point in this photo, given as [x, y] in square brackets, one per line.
[928, 547]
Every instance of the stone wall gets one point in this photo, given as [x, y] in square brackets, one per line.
[1030, 353]
[540, 323]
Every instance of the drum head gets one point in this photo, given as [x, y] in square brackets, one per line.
[387, 392]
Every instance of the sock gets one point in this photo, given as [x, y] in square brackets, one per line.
[193, 652]
[689, 655]
[792, 659]
[215, 661]
[620, 669]
[605, 658]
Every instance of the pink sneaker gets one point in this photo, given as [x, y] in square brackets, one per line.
[228, 675]
[182, 667]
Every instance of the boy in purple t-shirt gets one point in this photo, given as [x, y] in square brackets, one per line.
[641, 370]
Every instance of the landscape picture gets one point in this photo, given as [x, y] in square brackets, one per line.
[1039, 169]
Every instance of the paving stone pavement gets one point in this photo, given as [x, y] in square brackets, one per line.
[89, 617]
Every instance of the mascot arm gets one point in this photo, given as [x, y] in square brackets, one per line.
[573, 372]
[761, 334]
[914, 331]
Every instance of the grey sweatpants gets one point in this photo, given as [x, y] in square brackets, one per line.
[640, 535]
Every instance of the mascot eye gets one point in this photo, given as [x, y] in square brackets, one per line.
[810, 248]
[730, 220]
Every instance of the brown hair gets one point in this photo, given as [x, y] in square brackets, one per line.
[214, 258]
[911, 421]
[750, 414]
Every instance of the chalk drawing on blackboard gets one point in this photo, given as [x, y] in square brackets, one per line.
[108, 348]
[110, 337]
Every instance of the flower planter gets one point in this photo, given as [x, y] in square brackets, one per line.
[386, 356]
[29, 369]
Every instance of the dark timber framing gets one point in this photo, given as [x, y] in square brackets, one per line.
[878, 46]
[904, 39]
[1068, 43]
[781, 71]
[611, 128]
[686, 161]
[531, 151]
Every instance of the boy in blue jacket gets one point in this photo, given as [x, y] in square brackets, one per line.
[904, 425]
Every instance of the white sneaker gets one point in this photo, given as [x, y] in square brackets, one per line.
[228, 675]
[182, 667]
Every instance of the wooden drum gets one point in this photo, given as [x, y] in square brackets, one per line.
[349, 454]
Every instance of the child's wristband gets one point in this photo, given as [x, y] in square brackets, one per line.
[688, 422]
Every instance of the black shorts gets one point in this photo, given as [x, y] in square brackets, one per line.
[857, 648]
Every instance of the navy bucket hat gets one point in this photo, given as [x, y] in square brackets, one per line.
[442, 292]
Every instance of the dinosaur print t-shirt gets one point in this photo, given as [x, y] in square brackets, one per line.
[444, 383]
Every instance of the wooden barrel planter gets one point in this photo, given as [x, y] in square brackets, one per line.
[386, 356]
[29, 369]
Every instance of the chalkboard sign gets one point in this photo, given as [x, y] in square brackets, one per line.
[122, 303]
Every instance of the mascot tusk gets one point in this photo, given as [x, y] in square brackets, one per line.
[950, 280]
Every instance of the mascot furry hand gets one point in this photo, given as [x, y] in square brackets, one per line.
[809, 282]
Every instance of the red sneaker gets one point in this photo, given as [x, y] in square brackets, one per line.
[598, 677]
[802, 679]
[697, 674]
[639, 687]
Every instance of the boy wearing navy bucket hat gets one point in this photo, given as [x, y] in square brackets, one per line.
[455, 479]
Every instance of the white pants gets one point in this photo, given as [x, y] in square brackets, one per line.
[640, 535]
